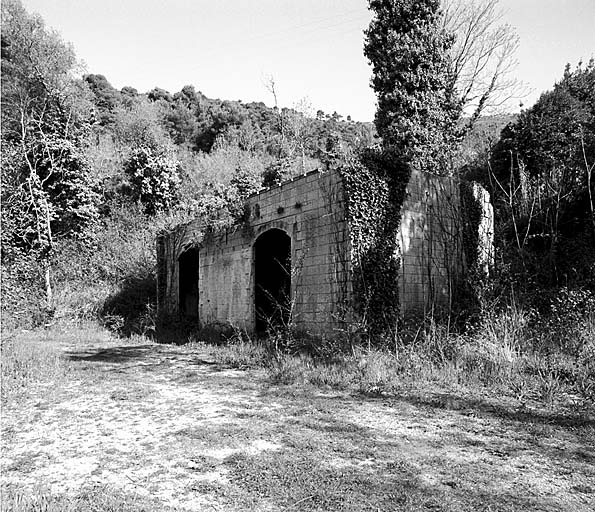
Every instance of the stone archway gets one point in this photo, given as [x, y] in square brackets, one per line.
[272, 279]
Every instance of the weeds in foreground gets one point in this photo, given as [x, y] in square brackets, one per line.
[27, 364]
[242, 352]
[93, 499]
[498, 355]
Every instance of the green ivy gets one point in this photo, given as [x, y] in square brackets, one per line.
[375, 187]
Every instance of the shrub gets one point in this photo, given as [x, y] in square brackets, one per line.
[154, 178]
[23, 304]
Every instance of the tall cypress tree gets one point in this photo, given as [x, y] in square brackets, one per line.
[417, 110]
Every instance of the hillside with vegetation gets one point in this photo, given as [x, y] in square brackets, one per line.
[83, 162]
[91, 174]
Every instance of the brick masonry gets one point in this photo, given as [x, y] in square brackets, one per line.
[311, 210]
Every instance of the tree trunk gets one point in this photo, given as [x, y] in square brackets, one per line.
[49, 293]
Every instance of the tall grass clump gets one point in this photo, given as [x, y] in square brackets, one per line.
[241, 351]
[491, 353]
[378, 371]
[29, 363]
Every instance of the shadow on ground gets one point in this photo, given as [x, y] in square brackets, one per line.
[521, 414]
[334, 460]
[148, 353]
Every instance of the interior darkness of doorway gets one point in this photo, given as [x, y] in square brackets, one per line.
[272, 279]
[188, 283]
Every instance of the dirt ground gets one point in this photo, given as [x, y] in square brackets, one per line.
[168, 423]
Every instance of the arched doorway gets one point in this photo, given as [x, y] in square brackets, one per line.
[188, 283]
[272, 279]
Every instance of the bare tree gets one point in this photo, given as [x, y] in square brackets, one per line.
[269, 83]
[483, 55]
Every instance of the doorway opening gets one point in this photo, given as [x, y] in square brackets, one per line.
[188, 283]
[272, 279]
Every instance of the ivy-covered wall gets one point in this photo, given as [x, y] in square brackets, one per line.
[414, 236]
[375, 189]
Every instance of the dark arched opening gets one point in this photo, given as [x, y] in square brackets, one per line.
[188, 283]
[272, 279]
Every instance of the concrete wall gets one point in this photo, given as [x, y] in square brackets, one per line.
[225, 273]
[169, 248]
[430, 242]
[485, 230]
[310, 210]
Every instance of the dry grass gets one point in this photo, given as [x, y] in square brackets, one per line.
[28, 363]
[132, 425]
[93, 499]
[490, 361]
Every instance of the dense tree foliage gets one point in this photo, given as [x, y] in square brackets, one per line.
[542, 180]
[154, 178]
[47, 188]
[106, 98]
[417, 109]
[45, 118]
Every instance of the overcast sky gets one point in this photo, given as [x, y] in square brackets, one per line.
[312, 48]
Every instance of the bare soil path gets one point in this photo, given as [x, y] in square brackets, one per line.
[167, 423]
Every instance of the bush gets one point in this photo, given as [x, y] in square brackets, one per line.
[154, 178]
[24, 303]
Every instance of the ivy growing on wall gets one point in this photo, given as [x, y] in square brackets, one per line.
[375, 187]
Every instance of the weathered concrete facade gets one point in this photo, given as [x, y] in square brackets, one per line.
[310, 211]
[304, 224]
[430, 242]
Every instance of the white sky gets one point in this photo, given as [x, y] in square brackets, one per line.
[312, 48]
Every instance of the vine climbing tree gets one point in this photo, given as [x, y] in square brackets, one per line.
[408, 47]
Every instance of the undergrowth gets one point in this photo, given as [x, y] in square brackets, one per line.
[500, 355]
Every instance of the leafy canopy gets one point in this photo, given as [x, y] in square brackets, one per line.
[47, 187]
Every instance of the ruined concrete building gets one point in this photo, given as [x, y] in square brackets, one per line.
[293, 258]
